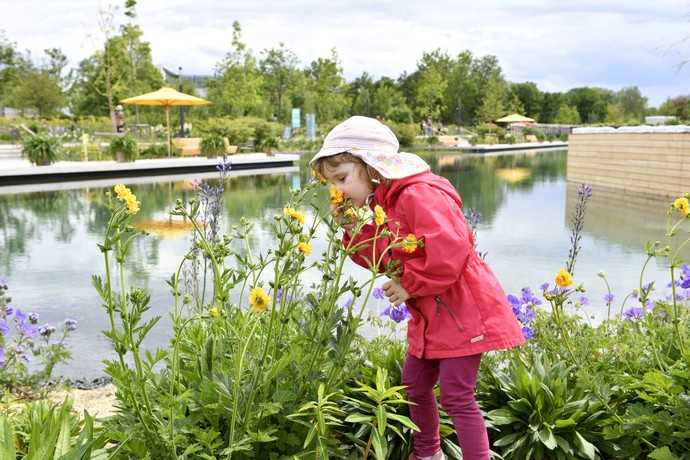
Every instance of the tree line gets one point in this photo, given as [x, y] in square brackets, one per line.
[462, 89]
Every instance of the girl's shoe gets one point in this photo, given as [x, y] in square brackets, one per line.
[437, 456]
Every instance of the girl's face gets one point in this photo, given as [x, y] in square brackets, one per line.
[351, 180]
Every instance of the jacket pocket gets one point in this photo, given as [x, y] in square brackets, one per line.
[441, 304]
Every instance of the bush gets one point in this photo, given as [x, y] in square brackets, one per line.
[405, 132]
[123, 148]
[158, 151]
[213, 146]
[41, 149]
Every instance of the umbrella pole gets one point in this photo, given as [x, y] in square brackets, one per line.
[167, 119]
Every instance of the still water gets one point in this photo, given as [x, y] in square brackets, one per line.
[48, 239]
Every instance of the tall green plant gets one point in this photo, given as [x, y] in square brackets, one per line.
[41, 149]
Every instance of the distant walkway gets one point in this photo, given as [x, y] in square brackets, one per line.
[15, 171]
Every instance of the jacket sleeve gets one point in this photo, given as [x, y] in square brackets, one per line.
[437, 219]
[367, 253]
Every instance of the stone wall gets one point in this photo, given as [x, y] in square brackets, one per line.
[645, 163]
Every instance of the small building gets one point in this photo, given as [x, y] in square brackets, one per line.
[656, 120]
[516, 120]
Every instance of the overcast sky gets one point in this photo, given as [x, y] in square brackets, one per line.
[609, 43]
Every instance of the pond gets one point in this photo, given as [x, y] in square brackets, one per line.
[48, 239]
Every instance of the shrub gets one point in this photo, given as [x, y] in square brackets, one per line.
[405, 132]
[41, 149]
[123, 148]
[213, 146]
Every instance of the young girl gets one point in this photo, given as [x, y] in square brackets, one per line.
[458, 308]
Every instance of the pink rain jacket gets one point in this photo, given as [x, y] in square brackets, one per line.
[457, 305]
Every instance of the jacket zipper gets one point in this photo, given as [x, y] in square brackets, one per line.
[440, 302]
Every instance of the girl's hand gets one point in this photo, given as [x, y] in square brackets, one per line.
[395, 292]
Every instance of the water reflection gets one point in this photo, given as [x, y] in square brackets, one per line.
[48, 239]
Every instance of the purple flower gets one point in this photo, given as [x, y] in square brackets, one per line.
[649, 304]
[584, 300]
[397, 314]
[4, 328]
[2, 356]
[544, 286]
[28, 330]
[514, 301]
[633, 313]
[33, 318]
[527, 332]
[584, 190]
[9, 310]
[71, 324]
[608, 298]
[20, 316]
[348, 302]
[378, 293]
[685, 276]
[46, 330]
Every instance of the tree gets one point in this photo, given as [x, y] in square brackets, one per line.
[122, 68]
[567, 115]
[514, 104]
[632, 103]
[530, 97]
[326, 93]
[429, 94]
[592, 103]
[492, 105]
[550, 105]
[462, 97]
[40, 90]
[678, 106]
[279, 75]
[12, 65]
[237, 87]
[361, 91]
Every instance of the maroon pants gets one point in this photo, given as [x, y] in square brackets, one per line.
[457, 379]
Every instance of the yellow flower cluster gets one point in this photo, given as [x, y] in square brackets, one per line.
[682, 205]
[215, 312]
[564, 278]
[379, 215]
[258, 299]
[410, 243]
[318, 176]
[292, 212]
[350, 213]
[304, 248]
[336, 196]
[126, 196]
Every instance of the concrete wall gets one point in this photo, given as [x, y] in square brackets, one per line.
[645, 163]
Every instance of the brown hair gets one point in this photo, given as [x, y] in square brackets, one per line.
[346, 157]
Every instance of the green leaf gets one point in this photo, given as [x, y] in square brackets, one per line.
[507, 439]
[547, 438]
[663, 453]
[358, 418]
[7, 439]
[585, 447]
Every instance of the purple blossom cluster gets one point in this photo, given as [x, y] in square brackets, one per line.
[25, 325]
[397, 314]
[523, 309]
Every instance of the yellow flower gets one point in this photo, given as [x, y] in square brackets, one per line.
[336, 196]
[215, 312]
[292, 212]
[379, 215]
[350, 212]
[304, 248]
[122, 192]
[682, 205]
[410, 243]
[258, 299]
[132, 204]
[318, 176]
[564, 278]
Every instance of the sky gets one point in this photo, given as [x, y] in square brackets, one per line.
[558, 45]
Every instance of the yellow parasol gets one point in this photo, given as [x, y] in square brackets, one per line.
[515, 118]
[166, 97]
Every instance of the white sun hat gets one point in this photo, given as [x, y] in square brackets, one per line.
[375, 144]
